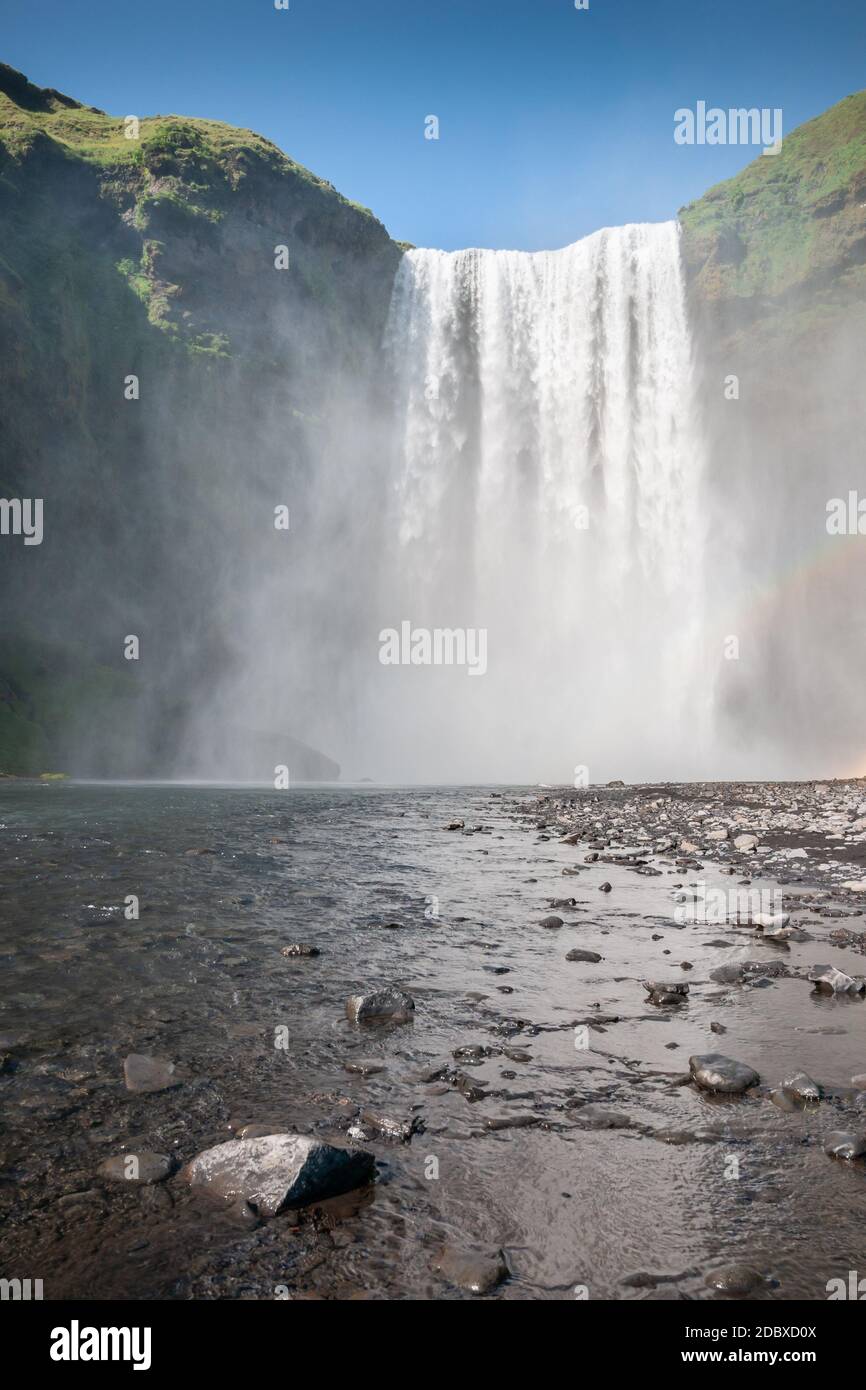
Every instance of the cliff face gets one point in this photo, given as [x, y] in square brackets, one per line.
[155, 257]
[776, 267]
[780, 250]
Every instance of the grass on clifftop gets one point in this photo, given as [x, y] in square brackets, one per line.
[28, 113]
[788, 216]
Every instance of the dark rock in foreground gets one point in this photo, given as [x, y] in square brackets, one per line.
[715, 1072]
[278, 1171]
[379, 1006]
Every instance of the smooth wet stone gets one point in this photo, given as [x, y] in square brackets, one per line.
[605, 887]
[828, 980]
[499, 1122]
[380, 1005]
[254, 1131]
[300, 948]
[364, 1068]
[143, 1073]
[591, 956]
[801, 1087]
[143, 1166]
[842, 1144]
[473, 1272]
[734, 1279]
[714, 1072]
[770, 921]
[278, 1171]
[551, 921]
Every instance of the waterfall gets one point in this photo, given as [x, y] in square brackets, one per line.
[543, 484]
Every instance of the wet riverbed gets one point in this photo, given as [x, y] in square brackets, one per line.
[608, 1167]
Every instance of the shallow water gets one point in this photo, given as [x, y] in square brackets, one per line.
[225, 877]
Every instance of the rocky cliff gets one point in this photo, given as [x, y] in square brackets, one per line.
[182, 308]
[776, 266]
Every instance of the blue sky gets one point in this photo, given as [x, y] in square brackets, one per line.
[553, 121]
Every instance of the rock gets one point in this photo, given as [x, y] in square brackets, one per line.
[715, 1072]
[300, 948]
[859, 1081]
[717, 835]
[363, 1068]
[591, 956]
[380, 1005]
[855, 885]
[770, 921]
[551, 921]
[734, 1279]
[454, 825]
[498, 1122]
[747, 843]
[474, 1272]
[141, 1167]
[801, 1088]
[839, 1144]
[278, 1171]
[604, 888]
[371, 1122]
[828, 980]
[472, 1052]
[717, 1027]
[466, 1086]
[660, 993]
[143, 1073]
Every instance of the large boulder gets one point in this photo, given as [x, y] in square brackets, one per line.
[715, 1072]
[278, 1171]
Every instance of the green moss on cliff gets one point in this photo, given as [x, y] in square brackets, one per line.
[790, 222]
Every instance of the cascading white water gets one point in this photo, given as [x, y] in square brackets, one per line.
[544, 485]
